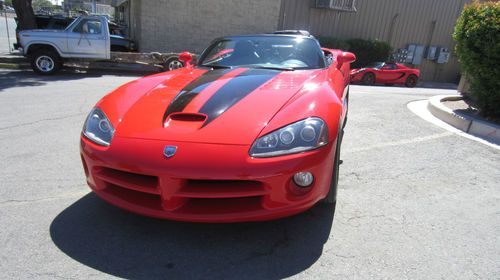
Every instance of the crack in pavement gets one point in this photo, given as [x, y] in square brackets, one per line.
[42, 120]
[10, 202]
[401, 142]
[282, 242]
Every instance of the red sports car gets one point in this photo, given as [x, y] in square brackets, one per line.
[386, 73]
[252, 134]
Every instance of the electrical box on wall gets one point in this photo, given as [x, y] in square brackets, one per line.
[443, 55]
[418, 55]
[431, 53]
[400, 56]
[410, 53]
[415, 54]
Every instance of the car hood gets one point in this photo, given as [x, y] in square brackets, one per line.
[223, 106]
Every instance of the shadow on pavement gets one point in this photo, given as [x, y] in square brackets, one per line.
[27, 78]
[127, 245]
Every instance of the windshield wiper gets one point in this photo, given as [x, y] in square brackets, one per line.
[216, 66]
[274, 68]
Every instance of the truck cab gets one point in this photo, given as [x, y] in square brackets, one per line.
[87, 37]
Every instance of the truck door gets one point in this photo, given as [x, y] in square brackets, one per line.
[89, 38]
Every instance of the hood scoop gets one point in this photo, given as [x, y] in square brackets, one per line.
[181, 119]
[187, 117]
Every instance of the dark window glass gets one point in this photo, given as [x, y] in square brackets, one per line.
[88, 26]
[294, 52]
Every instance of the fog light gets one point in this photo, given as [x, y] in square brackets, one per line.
[303, 179]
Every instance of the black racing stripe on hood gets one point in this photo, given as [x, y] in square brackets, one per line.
[189, 92]
[235, 90]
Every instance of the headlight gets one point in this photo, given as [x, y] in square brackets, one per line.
[297, 137]
[98, 128]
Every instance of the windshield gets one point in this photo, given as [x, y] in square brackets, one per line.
[278, 52]
[376, 65]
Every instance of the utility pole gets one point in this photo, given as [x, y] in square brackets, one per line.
[94, 6]
[7, 27]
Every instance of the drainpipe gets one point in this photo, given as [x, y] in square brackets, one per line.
[391, 28]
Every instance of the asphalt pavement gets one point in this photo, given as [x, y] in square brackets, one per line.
[415, 201]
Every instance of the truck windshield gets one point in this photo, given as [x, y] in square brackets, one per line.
[278, 52]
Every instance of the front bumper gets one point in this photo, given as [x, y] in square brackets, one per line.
[203, 182]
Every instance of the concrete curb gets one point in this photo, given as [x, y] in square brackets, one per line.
[468, 124]
[20, 62]
[14, 66]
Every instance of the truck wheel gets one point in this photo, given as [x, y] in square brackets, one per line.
[46, 62]
[172, 64]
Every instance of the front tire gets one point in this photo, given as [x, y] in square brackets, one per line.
[46, 62]
[331, 197]
[346, 111]
[368, 79]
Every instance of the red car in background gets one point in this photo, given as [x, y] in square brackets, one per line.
[387, 73]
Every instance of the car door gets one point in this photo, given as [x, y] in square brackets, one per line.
[388, 73]
[87, 39]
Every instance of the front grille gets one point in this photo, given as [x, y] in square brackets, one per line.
[220, 189]
[187, 196]
[218, 206]
[128, 180]
[142, 199]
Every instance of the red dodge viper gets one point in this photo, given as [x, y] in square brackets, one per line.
[386, 73]
[252, 131]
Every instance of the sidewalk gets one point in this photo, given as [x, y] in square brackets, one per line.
[13, 61]
[464, 122]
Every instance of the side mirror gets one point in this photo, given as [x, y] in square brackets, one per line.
[345, 57]
[186, 58]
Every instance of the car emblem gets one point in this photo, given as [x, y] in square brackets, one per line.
[169, 151]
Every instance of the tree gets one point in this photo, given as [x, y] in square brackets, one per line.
[25, 14]
[37, 4]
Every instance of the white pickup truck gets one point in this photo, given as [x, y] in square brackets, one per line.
[87, 37]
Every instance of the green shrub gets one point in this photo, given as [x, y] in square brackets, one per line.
[477, 33]
[366, 51]
[333, 43]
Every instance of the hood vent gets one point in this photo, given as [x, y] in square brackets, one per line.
[185, 118]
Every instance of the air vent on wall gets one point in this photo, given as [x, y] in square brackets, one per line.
[337, 5]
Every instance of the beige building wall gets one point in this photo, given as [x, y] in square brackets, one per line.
[399, 22]
[178, 25]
